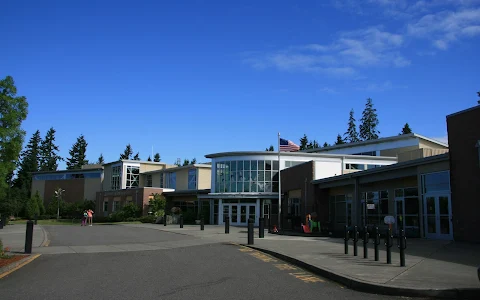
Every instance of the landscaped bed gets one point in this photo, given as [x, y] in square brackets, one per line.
[10, 259]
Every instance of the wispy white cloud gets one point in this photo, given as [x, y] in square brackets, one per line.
[327, 90]
[371, 47]
[446, 27]
[379, 87]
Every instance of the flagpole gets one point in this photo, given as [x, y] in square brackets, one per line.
[279, 186]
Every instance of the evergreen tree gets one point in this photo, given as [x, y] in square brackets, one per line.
[406, 129]
[31, 209]
[368, 127]
[13, 111]
[127, 153]
[78, 154]
[270, 148]
[194, 161]
[339, 140]
[186, 162]
[100, 160]
[49, 157]
[30, 160]
[351, 135]
[156, 158]
[149, 158]
[304, 142]
[312, 145]
[137, 156]
[39, 200]
[326, 144]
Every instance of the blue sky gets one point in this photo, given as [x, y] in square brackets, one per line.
[192, 78]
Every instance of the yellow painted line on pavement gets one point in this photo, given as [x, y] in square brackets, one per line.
[32, 258]
[305, 277]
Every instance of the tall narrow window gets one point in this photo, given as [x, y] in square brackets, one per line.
[116, 174]
[149, 180]
[192, 179]
[133, 174]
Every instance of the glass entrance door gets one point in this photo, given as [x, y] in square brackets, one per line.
[438, 216]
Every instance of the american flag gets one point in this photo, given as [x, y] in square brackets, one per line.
[288, 146]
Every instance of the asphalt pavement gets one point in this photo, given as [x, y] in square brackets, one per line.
[215, 271]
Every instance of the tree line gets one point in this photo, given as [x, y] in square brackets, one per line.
[367, 130]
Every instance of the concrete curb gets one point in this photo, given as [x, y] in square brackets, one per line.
[368, 287]
[17, 265]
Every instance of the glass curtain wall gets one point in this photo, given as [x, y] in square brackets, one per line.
[116, 174]
[407, 211]
[244, 176]
[375, 208]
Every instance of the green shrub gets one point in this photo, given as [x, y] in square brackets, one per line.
[31, 209]
[131, 210]
[148, 219]
[131, 219]
[117, 216]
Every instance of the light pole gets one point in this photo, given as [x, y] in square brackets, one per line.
[58, 194]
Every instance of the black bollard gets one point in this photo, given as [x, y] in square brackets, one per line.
[165, 220]
[366, 236]
[29, 237]
[261, 228]
[355, 240]
[181, 221]
[1, 221]
[377, 243]
[402, 245]
[346, 238]
[227, 225]
[478, 273]
[202, 224]
[250, 231]
[389, 244]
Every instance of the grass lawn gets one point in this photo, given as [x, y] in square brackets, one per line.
[67, 222]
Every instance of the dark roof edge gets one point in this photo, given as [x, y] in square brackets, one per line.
[463, 111]
[397, 166]
[69, 171]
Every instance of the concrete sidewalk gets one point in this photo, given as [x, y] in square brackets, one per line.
[433, 268]
[13, 237]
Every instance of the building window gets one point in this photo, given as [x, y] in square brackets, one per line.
[133, 174]
[407, 211]
[289, 164]
[375, 207]
[434, 182]
[340, 209]
[192, 179]
[162, 184]
[116, 206]
[171, 180]
[244, 176]
[293, 207]
[116, 175]
[105, 205]
[149, 180]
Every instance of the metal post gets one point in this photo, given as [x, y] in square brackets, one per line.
[202, 224]
[1, 221]
[389, 244]
[250, 231]
[402, 245]
[355, 240]
[227, 224]
[366, 236]
[29, 237]
[346, 238]
[377, 243]
[181, 221]
[165, 219]
[261, 228]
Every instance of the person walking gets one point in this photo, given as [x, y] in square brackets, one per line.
[84, 218]
[90, 217]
